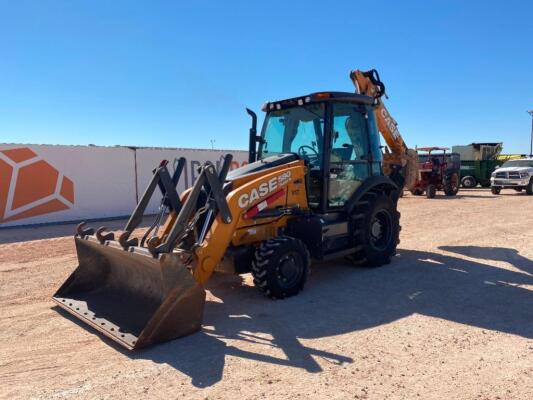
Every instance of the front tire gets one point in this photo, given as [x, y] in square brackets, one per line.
[529, 187]
[376, 230]
[431, 191]
[495, 190]
[280, 267]
[451, 184]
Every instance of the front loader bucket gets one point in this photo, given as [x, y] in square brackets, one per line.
[130, 296]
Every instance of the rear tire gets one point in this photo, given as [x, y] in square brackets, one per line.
[431, 191]
[529, 187]
[376, 230]
[417, 192]
[468, 182]
[495, 190]
[280, 266]
[451, 184]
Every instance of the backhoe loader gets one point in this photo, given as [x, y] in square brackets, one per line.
[314, 188]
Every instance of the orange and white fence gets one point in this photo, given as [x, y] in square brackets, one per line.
[49, 183]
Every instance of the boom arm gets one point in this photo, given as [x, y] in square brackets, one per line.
[369, 84]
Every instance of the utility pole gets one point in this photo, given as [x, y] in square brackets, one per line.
[213, 142]
[530, 112]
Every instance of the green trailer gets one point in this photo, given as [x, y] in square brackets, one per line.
[478, 161]
[474, 172]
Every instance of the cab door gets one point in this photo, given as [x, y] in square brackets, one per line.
[350, 155]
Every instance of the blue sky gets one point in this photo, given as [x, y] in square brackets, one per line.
[179, 74]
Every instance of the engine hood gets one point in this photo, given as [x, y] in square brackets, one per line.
[261, 165]
[514, 169]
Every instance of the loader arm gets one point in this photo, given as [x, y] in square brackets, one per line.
[368, 83]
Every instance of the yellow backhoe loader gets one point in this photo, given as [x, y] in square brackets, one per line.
[314, 188]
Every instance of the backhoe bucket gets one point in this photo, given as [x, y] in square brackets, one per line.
[130, 296]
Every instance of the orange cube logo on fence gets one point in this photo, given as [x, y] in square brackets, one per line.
[30, 186]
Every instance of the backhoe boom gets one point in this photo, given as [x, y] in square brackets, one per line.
[397, 154]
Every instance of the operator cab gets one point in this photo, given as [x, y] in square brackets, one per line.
[335, 133]
[435, 158]
[432, 158]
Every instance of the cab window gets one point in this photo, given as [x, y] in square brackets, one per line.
[298, 130]
[294, 130]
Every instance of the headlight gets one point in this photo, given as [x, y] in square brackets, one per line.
[524, 174]
[493, 174]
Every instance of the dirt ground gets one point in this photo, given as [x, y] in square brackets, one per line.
[450, 318]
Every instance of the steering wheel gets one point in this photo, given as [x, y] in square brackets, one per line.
[314, 157]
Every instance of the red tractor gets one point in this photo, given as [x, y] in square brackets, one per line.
[438, 170]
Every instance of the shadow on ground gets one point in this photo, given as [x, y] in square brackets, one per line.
[39, 232]
[462, 194]
[341, 299]
[494, 253]
[478, 193]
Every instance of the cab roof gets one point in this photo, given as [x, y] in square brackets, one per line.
[316, 98]
[432, 148]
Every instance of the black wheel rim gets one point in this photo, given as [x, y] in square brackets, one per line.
[289, 270]
[381, 230]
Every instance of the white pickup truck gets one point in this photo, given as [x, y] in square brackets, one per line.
[513, 174]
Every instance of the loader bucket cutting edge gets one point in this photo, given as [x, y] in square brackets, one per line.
[130, 296]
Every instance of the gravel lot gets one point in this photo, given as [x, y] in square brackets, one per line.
[450, 317]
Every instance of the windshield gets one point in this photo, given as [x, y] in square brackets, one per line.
[518, 163]
[294, 130]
